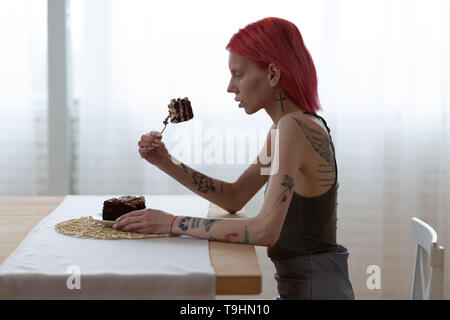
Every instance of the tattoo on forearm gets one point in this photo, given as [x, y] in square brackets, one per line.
[184, 223]
[203, 182]
[281, 101]
[209, 222]
[287, 182]
[185, 169]
[195, 223]
[246, 236]
[230, 237]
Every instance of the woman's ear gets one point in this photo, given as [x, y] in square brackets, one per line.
[273, 74]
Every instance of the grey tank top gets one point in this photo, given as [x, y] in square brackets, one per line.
[311, 222]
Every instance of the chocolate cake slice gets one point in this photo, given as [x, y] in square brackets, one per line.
[115, 207]
[180, 110]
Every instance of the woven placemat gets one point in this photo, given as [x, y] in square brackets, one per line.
[88, 227]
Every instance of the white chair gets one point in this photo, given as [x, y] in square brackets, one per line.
[429, 256]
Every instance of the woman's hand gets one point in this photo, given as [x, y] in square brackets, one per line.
[145, 221]
[152, 149]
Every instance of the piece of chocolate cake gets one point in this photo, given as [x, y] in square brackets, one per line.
[115, 207]
[180, 110]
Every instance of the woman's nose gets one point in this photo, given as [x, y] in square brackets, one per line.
[231, 88]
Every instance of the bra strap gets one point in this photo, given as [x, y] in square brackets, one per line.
[317, 116]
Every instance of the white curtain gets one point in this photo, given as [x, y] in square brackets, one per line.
[23, 97]
[386, 92]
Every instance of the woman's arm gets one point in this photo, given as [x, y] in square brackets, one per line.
[256, 175]
[214, 190]
[265, 228]
[237, 230]
[262, 230]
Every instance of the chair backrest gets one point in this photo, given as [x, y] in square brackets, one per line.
[429, 256]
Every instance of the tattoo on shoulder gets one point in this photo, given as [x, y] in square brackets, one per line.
[320, 142]
[203, 182]
[288, 183]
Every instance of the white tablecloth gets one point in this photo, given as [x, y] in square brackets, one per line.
[47, 263]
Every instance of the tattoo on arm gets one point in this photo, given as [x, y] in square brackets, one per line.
[246, 236]
[203, 182]
[209, 222]
[195, 223]
[185, 169]
[184, 223]
[230, 236]
[233, 235]
[287, 182]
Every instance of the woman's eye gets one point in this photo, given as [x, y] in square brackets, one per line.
[237, 75]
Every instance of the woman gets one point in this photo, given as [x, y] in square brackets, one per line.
[271, 69]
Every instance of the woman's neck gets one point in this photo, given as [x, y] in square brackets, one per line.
[280, 106]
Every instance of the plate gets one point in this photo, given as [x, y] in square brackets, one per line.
[106, 222]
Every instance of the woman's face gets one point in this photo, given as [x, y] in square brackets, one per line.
[249, 83]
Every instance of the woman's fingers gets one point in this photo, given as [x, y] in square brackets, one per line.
[152, 143]
[156, 134]
[135, 213]
[132, 227]
[121, 223]
[148, 142]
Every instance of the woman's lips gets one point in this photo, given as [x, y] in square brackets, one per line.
[240, 105]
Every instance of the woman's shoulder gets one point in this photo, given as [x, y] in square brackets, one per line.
[301, 120]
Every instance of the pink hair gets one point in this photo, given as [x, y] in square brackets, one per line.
[279, 41]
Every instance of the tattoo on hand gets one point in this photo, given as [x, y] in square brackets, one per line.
[203, 182]
[185, 169]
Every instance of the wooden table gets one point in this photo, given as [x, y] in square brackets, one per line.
[236, 265]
